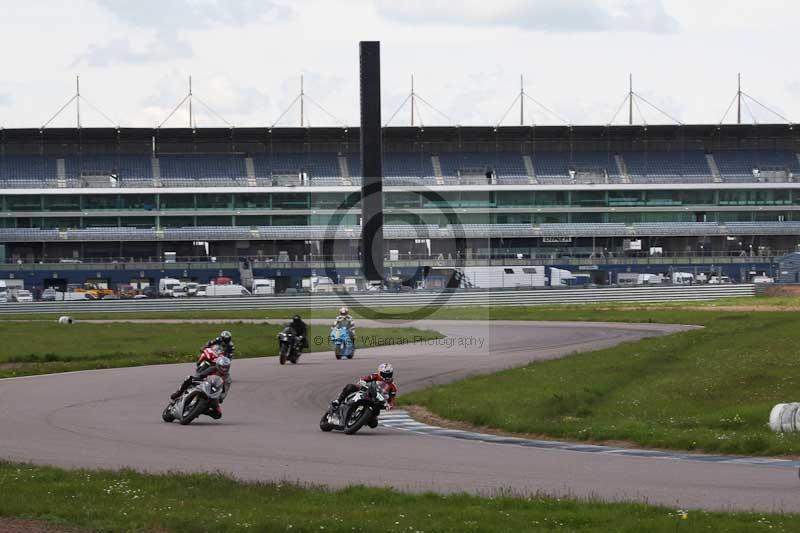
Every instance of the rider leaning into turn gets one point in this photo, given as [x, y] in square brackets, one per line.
[344, 319]
[384, 374]
[222, 368]
[224, 341]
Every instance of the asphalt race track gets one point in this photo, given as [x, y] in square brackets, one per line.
[112, 419]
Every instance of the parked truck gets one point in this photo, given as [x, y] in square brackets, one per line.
[634, 278]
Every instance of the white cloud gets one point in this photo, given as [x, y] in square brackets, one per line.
[648, 16]
[166, 18]
[5, 99]
[193, 14]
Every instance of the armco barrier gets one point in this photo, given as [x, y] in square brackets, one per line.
[381, 300]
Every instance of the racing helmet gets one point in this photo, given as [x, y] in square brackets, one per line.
[343, 311]
[216, 382]
[386, 372]
[223, 365]
[226, 336]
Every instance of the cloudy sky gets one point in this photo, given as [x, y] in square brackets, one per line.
[246, 56]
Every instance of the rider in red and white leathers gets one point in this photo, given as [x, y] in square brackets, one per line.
[385, 374]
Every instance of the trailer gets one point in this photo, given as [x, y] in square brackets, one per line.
[496, 277]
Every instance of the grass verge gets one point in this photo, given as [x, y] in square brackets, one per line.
[39, 348]
[709, 389]
[129, 501]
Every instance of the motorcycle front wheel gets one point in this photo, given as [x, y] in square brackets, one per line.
[283, 353]
[356, 417]
[193, 407]
[324, 425]
[166, 415]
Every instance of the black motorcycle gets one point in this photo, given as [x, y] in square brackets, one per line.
[360, 408]
[291, 346]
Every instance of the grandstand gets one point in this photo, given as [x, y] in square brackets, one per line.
[132, 194]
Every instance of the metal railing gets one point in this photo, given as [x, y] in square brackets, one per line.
[423, 300]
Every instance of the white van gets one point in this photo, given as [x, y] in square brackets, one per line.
[682, 278]
[719, 280]
[263, 286]
[226, 290]
[171, 287]
[191, 288]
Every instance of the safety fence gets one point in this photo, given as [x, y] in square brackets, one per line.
[379, 300]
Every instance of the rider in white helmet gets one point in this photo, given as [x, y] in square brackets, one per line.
[385, 375]
[344, 319]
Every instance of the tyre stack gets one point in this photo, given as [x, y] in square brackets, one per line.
[785, 418]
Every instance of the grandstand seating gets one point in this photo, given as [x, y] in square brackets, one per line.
[135, 167]
[316, 164]
[397, 165]
[28, 171]
[502, 163]
[659, 164]
[400, 168]
[559, 164]
[741, 163]
[211, 167]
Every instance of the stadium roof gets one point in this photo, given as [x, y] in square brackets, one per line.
[224, 138]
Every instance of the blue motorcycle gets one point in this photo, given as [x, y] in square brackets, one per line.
[342, 343]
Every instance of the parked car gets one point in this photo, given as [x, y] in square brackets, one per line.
[49, 295]
[23, 296]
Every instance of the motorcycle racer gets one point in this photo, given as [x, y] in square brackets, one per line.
[224, 341]
[344, 319]
[385, 374]
[220, 367]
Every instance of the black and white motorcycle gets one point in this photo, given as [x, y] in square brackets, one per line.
[291, 346]
[201, 398]
[358, 409]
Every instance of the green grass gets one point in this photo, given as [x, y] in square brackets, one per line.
[37, 348]
[129, 501]
[709, 389]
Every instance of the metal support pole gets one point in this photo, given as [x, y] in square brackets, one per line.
[412, 100]
[78, 98]
[302, 97]
[630, 99]
[191, 121]
[521, 102]
[739, 100]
